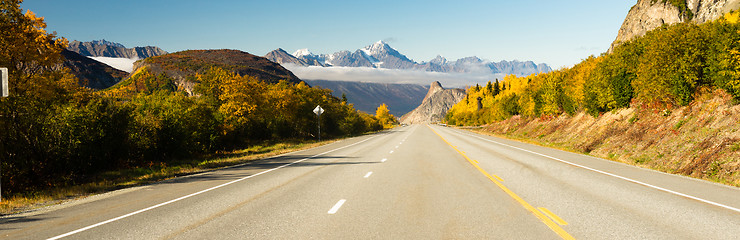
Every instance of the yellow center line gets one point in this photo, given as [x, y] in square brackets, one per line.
[553, 216]
[547, 221]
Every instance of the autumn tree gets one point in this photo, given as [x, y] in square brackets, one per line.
[385, 117]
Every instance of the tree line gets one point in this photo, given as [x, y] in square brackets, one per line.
[665, 68]
[54, 132]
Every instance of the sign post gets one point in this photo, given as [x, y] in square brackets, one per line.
[4, 84]
[318, 111]
[4, 92]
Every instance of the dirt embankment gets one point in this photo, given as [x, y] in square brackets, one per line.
[701, 140]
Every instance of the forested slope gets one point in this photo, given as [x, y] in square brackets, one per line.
[54, 133]
[658, 75]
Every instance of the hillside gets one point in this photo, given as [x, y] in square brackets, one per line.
[666, 100]
[700, 140]
[647, 15]
[180, 66]
[435, 105]
[91, 73]
[366, 97]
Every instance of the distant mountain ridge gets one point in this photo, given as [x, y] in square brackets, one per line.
[103, 48]
[382, 55]
[366, 97]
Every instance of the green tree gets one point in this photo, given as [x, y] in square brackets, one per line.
[496, 88]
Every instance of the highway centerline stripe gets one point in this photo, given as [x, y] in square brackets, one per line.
[200, 192]
[368, 174]
[553, 216]
[336, 207]
[614, 175]
[547, 221]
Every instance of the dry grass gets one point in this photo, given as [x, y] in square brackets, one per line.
[144, 175]
[701, 140]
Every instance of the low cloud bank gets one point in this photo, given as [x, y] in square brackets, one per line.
[380, 75]
[123, 64]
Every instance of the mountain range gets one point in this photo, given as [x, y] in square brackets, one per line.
[103, 48]
[382, 55]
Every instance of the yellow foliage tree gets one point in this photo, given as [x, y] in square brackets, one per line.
[385, 117]
[31, 55]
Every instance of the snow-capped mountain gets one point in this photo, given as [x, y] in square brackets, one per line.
[303, 52]
[387, 57]
[305, 57]
[382, 55]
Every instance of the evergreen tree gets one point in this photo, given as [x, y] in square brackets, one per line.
[496, 88]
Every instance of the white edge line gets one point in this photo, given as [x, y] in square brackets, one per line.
[614, 175]
[336, 207]
[197, 193]
[368, 174]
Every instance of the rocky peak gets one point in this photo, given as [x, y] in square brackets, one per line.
[105, 43]
[647, 15]
[435, 87]
[280, 56]
[435, 105]
[379, 47]
[439, 60]
[385, 53]
[303, 52]
[103, 48]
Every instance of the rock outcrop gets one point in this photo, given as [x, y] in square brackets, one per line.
[435, 105]
[647, 15]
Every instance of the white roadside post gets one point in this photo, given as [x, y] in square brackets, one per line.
[318, 111]
[4, 92]
[4, 85]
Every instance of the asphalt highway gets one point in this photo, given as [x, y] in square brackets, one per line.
[414, 182]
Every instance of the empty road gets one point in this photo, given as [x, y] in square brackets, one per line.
[414, 182]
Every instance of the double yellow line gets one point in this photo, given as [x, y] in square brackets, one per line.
[540, 214]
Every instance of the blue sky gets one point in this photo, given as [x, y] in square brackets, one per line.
[559, 33]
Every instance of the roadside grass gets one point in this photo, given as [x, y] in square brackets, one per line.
[700, 141]
[124, 178]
